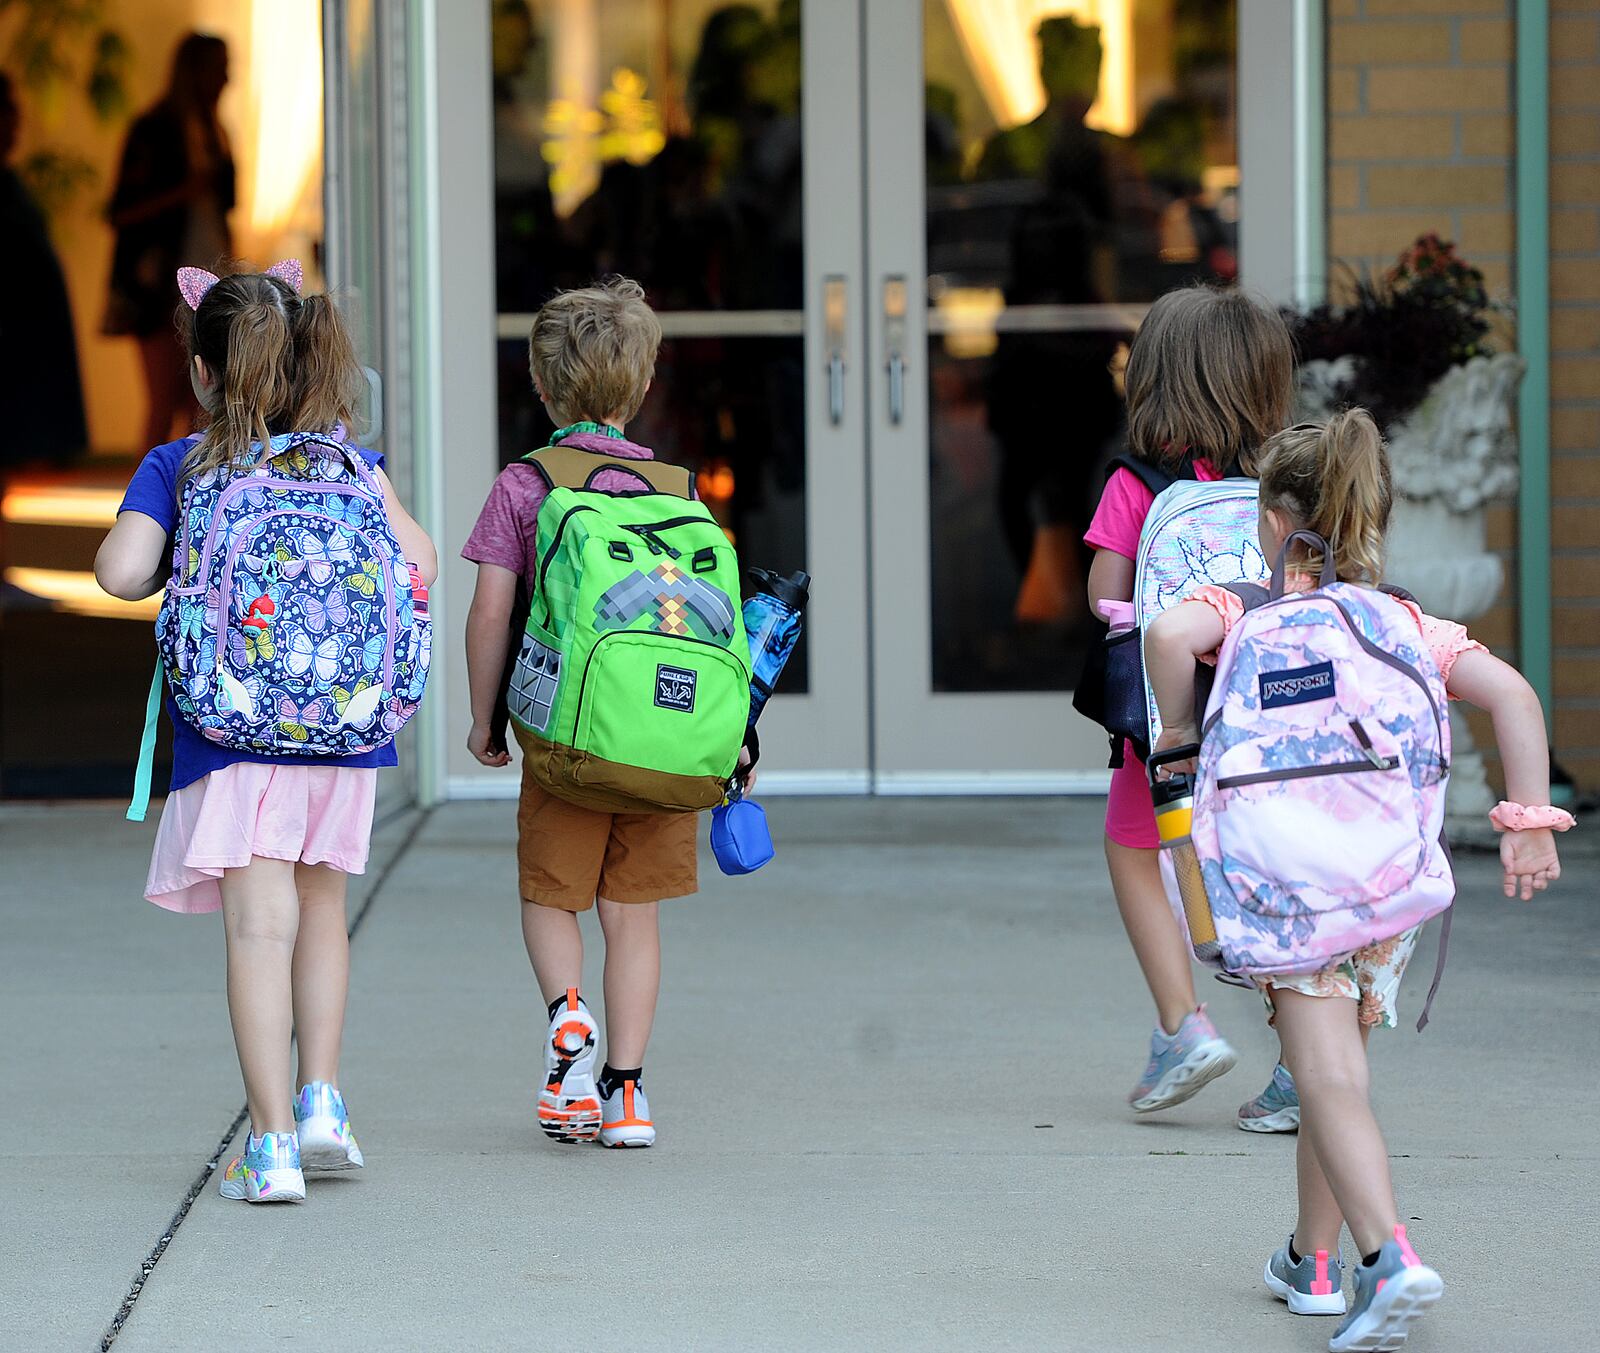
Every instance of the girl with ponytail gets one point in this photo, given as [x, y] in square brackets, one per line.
[1333, 480]
[270, 837]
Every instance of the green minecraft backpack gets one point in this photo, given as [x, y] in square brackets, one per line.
[633, 675]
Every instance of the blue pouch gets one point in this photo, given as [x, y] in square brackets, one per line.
[739, 836]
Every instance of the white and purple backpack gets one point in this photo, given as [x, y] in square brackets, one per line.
[1319, 795]
[289, 625]
[1197, 532]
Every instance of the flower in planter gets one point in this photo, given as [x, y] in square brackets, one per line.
[1410, 348]
[1402, 332]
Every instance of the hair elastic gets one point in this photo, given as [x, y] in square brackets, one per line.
[1516, 817]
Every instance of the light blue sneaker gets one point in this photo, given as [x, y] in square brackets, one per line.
[268, 1171]
[1275, 1109]
[1181, 1063]
[1389, 1298]
[326, 1142]
[1314, 1286]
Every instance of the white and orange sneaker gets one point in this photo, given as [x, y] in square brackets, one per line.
[569, 1104]
[627, 1117]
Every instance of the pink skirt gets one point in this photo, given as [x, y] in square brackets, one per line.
[310, 814]
[1130, 813]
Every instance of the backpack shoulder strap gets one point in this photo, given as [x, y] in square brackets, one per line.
[1153, 477]
[147, 747]
[570, 467]
[1399, 594]
[1252, 594]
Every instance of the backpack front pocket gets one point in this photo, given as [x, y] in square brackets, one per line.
[663, 703]
[1320, 808]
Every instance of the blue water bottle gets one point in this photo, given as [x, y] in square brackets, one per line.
[740, 840]
[772, 621]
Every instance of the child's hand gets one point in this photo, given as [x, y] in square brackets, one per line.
[480, 742]
[1529, 860]
[746, 772]
[1176, 735]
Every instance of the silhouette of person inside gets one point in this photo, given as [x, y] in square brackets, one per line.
[175, 187]
[1052, 400]
[41, 390]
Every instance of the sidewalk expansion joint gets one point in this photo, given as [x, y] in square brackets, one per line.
[197, 1186]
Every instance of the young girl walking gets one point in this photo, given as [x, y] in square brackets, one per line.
[1334, 481]
[270, 837]
[1210, 377]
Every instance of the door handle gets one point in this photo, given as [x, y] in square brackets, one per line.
[374, 404]
[894, 344]
[836, 321]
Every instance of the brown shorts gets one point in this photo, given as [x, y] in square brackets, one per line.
[567, 855]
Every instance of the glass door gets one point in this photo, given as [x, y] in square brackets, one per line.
[1038, 171]
[367, 255]
[712, 153]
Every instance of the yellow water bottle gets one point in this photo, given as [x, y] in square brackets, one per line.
[1174, 804]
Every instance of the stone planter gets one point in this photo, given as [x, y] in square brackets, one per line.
[1453, 455]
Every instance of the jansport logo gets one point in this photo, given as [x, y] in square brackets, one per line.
[1296, 686]
[675, 688]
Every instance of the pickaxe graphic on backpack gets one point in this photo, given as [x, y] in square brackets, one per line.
[682, 604]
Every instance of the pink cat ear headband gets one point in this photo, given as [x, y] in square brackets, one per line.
[193, 283]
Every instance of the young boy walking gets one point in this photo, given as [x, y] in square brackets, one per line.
[592, 353]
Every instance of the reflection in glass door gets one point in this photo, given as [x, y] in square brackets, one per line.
[910, 290]
[368, 258]
[1072, 160]
[670, 142]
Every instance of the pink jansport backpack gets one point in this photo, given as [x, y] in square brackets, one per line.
[1319, 795]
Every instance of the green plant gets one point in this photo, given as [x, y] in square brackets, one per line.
[1404, 330]
[58, 46]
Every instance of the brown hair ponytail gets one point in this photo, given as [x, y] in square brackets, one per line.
[282, 363]
[327, 377]
[1334, 479]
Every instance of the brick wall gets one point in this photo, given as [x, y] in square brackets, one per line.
[1575, 379]
[1421, 137]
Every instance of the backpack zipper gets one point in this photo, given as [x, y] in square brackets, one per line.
[646, 531]
[1262, 777]
[1366, 745]
[1374, 761]
[555, 544]
[243, 484]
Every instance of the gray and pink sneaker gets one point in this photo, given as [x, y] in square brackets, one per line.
[1312, 1286]
[1391, 1295]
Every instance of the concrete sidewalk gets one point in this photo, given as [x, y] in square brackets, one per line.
[889, 1074]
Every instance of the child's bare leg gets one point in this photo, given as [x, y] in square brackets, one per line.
[1319, 1221]
[555, 948]
[1157, 938]
[261, 916]
[1318, 1224]
[1326, 1054]
[632, 979]
[321, 971]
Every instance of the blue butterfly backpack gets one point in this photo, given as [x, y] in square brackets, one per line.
[289, 624]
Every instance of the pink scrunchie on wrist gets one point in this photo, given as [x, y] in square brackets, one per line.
[1514, 817]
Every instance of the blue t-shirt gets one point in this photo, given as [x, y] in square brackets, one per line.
[153, 491]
